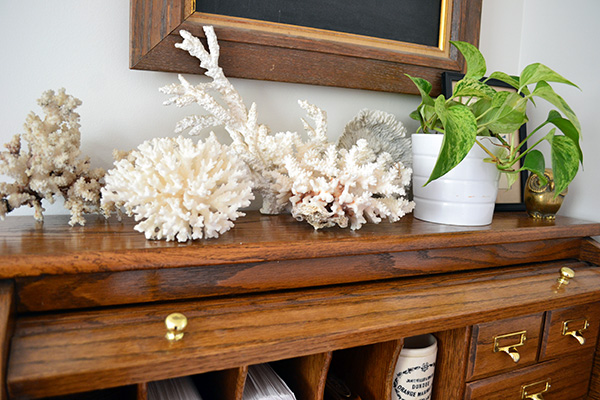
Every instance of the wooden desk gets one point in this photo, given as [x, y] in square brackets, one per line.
[88, 305]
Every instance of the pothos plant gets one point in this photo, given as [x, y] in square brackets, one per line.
[477, 109]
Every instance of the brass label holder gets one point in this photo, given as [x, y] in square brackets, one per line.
[526, 389]
[511, 349]
[575, 328]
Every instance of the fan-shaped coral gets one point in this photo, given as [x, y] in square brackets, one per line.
[180, 190]
[49, 165]
[311, 178]
[383, 132]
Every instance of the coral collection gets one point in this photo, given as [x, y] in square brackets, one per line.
[314, 180]
[180, 190]
[49, 165]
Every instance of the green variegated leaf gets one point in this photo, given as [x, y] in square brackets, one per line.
[475, 62]
[416, 115]
[545, 91]
[460, 132]
[473, 87]
[534, 162]
[567, 128]
[430, 118]
[505, 113]
[424, 88]
[503, 77]
[511, 114]
[511, 178]
[565, 162]
[537, 72]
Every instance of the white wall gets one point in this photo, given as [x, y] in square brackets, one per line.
[83, 46]
[564, 35]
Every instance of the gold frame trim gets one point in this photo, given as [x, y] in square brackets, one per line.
[268, 27]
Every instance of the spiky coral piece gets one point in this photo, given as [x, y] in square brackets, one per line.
[180, 190]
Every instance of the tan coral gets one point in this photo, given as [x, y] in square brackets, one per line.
[50, 164]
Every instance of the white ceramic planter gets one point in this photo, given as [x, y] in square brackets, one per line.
[464, 196]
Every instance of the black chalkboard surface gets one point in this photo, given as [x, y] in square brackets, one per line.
[413, 21]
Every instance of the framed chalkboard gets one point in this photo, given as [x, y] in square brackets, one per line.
[347, 43]
[399, 20]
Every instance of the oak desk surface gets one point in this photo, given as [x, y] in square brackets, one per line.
[28, 248]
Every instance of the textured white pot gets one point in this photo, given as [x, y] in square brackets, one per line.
[464, 196]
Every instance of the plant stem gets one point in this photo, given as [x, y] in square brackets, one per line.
[494, 158]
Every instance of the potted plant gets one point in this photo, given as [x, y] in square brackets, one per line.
[475, 120]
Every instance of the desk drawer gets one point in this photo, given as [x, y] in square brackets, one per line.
[505, 345]
[559, 379]
[570, 329]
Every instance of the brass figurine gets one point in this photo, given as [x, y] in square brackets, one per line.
[540, 200]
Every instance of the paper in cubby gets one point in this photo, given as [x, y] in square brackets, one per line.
[173, 389]
[263, 383]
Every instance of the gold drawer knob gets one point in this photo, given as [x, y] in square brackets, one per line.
[575, 328]
[175, 323]
[510, 349]
[566, 274]
[535, 390]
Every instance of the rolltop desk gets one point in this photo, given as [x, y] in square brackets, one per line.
[83, 309]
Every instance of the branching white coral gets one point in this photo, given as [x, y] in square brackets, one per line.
[252, 141]
[49, 165]
[348, 187]
[311, 178]
[180, 190]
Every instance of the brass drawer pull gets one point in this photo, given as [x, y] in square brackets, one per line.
[575, 328]
[510, 349]
[525, 389]
[566, 274]
[175, 324]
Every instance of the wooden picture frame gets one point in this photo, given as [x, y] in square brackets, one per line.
[277, 52]
[508, 199]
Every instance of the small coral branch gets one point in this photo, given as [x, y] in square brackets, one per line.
[49, 166]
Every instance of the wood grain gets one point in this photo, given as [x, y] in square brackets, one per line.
[590, 251]
[306, 375]
[368, 370]
[55, 292]
[556, 344]
[485, 362]
[227, 384]
[141, 391]
[451, 363]
[31, 249]
[7, 315]
[70, 352]
[151, 21]
[274, 52]
[569, 380]
[594, 392]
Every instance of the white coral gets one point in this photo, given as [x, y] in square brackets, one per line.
[180, 190]
[311, 178]
[49, 165]
[348, 187]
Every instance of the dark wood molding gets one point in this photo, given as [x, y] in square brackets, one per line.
[276, 52]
